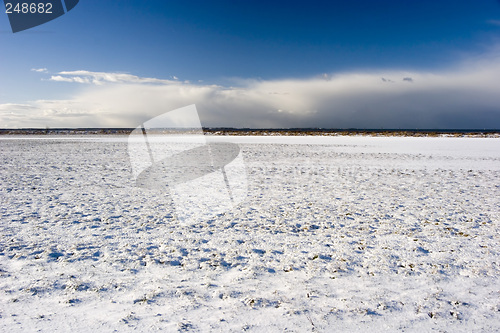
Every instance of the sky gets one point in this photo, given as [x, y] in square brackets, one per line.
[257, 64]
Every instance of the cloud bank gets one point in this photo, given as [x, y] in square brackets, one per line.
[467, 96]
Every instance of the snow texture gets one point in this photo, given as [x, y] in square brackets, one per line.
[335, 234]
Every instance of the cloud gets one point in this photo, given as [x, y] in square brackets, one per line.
[39, 70]
[100, 78]
[63, 79]
[9, 107]
[467, 96]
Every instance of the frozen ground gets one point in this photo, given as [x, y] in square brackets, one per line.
[336, 234]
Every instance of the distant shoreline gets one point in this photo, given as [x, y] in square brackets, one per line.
[268, 132]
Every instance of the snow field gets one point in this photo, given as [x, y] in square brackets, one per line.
[337, 233]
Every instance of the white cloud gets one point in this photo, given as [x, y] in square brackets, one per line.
[9, 107]
[99, 78]
[464, 97]
[39, 70]
[62, 78]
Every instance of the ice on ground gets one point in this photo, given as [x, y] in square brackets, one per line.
[336, 234]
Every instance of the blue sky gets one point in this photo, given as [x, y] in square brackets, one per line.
[371, 64]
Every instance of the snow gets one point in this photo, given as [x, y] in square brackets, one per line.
[336, 234]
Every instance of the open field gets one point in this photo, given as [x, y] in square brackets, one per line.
[336, 233]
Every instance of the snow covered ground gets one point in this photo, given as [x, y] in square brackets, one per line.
[336, 234]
